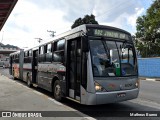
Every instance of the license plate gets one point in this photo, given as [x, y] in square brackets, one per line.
[121, 94]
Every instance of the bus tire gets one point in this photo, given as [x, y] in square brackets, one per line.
[57, 91]
[29, 84]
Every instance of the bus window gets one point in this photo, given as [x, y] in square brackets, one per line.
[127, 59]
[26, 54]
[110, 59]
[41, 50]
[41, 57]
[17, 58]
[58, 56]
[30, 53]
[49, 53]
[49, 48]
[60, 44]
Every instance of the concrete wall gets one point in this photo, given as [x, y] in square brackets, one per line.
[149, 67]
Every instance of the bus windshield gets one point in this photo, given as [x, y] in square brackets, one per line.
[112, 58]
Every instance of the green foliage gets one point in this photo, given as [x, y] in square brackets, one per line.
[148, 31]
[86, 20]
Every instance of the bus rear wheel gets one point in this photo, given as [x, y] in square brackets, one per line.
[29, 84]
[57, 90]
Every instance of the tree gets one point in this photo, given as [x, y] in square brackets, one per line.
[86, 20]
[148, 31]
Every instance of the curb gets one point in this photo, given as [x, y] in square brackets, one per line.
[150, 79]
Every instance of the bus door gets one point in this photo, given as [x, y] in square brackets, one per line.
[34, 66]
[74, 68]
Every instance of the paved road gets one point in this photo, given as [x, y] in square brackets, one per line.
[14, 97]
[150, 91]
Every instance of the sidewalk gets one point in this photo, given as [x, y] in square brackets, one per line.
[15, 96]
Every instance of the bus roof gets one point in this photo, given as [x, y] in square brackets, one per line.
[83, 28]
[80, 28]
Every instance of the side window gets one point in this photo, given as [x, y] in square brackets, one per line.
[41, 57]
[26, 54]
[13, 58]
[60, 44]
[29, 56]
[45, 49]
[17, 58]
[41, 50]
[30, 53]
[49, 53]
[58, 55]
[26, 57]
[49, 48]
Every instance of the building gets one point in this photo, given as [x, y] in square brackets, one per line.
[5, 50]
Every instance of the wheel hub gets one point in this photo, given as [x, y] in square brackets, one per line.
[57, 90]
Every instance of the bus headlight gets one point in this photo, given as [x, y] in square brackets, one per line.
[137, 83]
[99, 88]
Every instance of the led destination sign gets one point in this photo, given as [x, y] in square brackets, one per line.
[110, 33]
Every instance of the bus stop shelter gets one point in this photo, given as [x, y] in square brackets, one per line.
[6, 7]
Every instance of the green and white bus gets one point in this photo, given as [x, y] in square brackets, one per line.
[90, 64]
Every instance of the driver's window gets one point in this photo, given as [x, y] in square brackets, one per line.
[131, 58]
[100, 58]
[126, 53]
[127, 59]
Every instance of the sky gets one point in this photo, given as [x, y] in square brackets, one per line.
[30, 19]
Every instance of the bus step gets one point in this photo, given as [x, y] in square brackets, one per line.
[73, 99]
[35, 85]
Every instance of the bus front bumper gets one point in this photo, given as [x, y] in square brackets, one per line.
[112, 97]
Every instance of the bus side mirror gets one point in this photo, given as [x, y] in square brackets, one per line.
[85, 46]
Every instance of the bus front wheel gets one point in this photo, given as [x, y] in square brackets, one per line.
[57, 90]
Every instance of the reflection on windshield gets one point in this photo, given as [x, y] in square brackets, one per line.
[110, 58]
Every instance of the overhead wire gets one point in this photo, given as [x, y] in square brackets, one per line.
[108, 11]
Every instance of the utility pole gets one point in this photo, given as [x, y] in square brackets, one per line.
[52, 33]
[39, 39]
